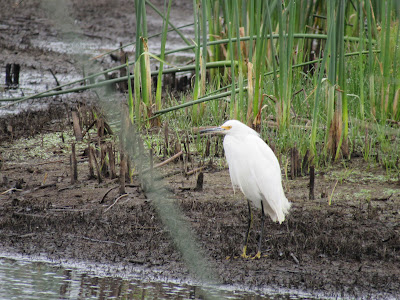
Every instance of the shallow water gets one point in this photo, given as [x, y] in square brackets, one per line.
[22, 278]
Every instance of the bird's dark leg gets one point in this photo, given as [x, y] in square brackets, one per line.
[258, 255]
[246, 239]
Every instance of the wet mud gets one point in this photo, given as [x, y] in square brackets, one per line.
[350, 248]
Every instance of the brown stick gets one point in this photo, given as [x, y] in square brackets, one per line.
[76, 125]
[295, 164]
[199, 184]
[128, 169]
[172, 158]
[56, 80]
[105, 195]
[166, 140]
[90, 127]
[100, 128]
[195, 171]
[115, 202]
[122, 172]
[111, 159]
[99, 178]
[91, 170]
[103, 164]
[74, 166]
[44, 186]
[108, 128]
[312, 178]
[11, 190]
[208, 145]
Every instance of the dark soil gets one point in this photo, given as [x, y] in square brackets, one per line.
[349, 248]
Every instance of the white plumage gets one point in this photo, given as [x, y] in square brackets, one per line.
[254, 168]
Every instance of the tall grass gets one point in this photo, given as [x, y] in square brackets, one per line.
[162, 56]
[289, 64]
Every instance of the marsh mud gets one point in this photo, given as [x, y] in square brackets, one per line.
[350, 247]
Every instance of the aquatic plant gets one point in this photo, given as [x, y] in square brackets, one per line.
[323, 73]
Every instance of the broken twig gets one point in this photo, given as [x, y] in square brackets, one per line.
[115, 202]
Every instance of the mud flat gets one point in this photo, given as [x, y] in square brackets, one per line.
[350, 247]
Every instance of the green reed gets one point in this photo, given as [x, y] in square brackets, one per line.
[332, 65]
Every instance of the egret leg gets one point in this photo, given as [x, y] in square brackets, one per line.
[258, 255]
[246, 238]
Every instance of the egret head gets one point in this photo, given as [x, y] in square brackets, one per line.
[231, 127]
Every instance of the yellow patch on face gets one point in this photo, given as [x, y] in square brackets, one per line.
[226, 127]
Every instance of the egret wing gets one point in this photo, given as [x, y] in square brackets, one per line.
[237, 156]
[254, 168]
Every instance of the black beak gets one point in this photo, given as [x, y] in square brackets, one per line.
[213, 130]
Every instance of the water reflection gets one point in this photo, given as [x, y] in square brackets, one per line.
[23, 279]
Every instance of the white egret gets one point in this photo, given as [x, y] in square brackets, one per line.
[254, 168]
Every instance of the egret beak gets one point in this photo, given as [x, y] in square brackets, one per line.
[215, 130]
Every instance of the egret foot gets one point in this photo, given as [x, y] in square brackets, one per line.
[257, 256]
[244, 255]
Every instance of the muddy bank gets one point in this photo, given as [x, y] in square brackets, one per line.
[348, 248]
